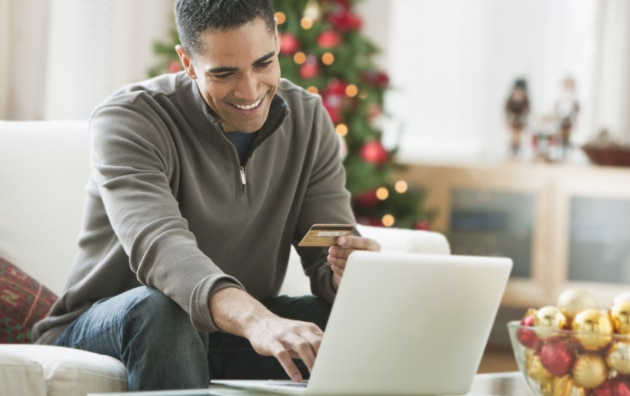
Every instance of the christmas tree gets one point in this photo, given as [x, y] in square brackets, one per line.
[323, 50]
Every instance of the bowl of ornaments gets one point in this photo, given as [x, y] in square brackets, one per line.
[575, 348]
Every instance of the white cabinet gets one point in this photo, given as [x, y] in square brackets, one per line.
[564, 226]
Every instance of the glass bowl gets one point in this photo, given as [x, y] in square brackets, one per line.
[571, 363]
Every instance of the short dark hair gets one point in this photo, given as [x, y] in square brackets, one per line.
[193, 17]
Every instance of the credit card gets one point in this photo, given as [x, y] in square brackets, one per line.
[325, 234]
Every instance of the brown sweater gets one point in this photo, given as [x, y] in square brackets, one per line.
[167, 207]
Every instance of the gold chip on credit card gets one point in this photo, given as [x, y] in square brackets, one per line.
[325, 234]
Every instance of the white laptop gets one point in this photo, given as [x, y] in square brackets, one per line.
[404, 323]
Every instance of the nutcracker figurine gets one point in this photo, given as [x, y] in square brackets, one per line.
[567, 109]
[516, 112]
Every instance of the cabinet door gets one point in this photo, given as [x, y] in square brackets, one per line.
[599, 240]
[496, 211]
[492, 222]
[594, 233]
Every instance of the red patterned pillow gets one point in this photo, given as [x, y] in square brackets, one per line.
[23, 301]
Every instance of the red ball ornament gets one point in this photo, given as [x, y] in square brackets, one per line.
[378, 79]
[422, 225]
[366, 200]
[329, 39]
[374, 153]
[527, 337]
[335, 87]
[557, 355]
[613, 387]
[289, 44]
[310, 68]
[334, 114]
[345, 21]
[174, 67]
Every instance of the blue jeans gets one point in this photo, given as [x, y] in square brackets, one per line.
[155, 339]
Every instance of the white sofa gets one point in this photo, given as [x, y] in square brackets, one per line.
[43, 172]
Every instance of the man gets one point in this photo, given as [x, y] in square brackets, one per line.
[201, 181]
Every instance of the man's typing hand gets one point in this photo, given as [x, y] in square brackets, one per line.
[236, 312]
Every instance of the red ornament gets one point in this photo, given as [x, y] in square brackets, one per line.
[335, 87]
[345, 21]
[613, 387]
[174, 67]
[378, 79]
[333, 113]
[329, 39]
[289, 44]
[310, 68]
[557, 355]
[366, 200]
[528, 337]
[422, 224]
[374, 153]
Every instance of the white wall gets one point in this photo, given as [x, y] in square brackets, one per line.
[452, 63]
[96, 47]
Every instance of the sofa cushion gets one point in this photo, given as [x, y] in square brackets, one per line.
[44, 167]
[58, 371]
[23, 301]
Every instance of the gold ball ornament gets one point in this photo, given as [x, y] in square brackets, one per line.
[537, 372]
[593, 329]
[565, 386]
[625, 296]
[573, 301]
[618, 357]
[620, 317]
[589, 371]
[549, 318]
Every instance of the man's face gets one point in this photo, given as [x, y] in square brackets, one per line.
[238, 74]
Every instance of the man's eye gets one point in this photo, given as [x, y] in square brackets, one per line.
[222, 76]
[265, 64]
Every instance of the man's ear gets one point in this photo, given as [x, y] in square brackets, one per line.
[186, 61]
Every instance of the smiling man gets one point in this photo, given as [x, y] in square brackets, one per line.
[201, 181]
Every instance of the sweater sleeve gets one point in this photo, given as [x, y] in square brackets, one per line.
[134, 165]
[326, 200]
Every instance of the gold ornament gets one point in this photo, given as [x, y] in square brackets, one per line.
[547, 319]
[593, 329]
[536, 371]
[573, 301]
[620, 317]
[589, 371]
[565, 386]
[625, 296]
[619, 357]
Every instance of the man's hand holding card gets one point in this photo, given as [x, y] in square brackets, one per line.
[341, 241]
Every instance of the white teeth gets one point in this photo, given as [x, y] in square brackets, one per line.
[251, 106]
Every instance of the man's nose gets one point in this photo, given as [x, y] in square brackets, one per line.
[247, 88]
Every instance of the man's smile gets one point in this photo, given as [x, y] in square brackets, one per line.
[249, 107]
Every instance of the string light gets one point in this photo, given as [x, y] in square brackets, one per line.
[328, 58]
[401, 186]
[299, 57]
[352, 90]
[388, 220]
[342, 129]
[280, 17]
[306, 23]
[382, 193]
